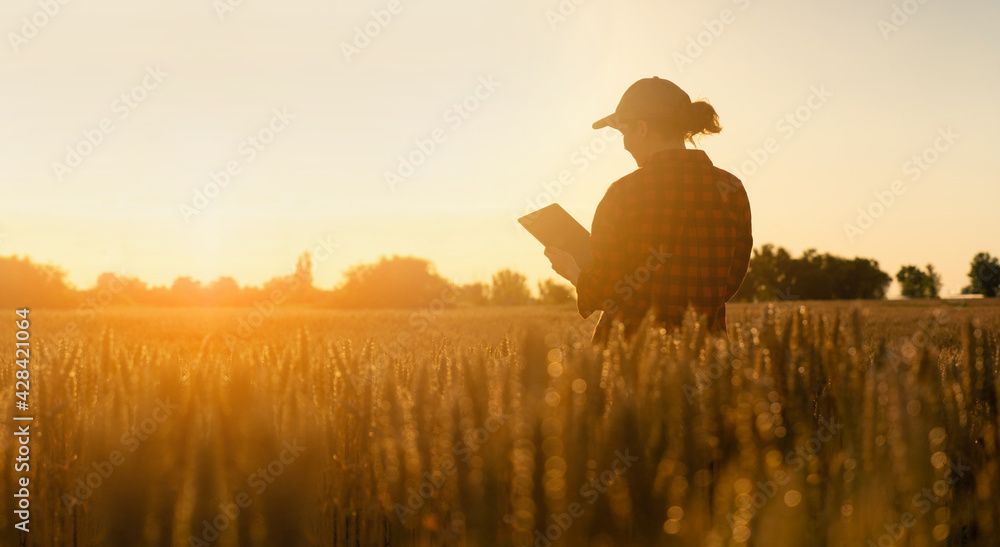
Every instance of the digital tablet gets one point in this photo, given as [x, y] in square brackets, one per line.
[554, 227]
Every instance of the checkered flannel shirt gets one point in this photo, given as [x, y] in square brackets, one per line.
[673, 233]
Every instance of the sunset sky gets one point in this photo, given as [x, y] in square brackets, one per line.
[312, 104]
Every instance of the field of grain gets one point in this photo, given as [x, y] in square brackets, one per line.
[819, 424]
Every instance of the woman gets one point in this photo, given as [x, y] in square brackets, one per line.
[673, 234]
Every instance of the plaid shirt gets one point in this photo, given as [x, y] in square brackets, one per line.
[671, 233]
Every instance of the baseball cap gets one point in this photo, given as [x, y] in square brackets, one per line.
[648, 99]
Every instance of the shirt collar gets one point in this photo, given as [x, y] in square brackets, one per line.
[674, 154]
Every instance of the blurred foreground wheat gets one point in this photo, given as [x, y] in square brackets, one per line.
[800, 429]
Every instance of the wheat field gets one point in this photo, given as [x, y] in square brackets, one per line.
[819, 424]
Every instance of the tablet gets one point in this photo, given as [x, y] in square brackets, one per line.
[554, 227]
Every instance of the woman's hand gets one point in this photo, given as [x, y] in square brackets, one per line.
[564, 264]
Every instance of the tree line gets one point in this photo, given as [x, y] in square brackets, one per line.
[391, 282]
[411, 282]
[774, 274]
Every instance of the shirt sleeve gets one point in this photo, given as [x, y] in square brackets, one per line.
[595, 286]
[743, 242]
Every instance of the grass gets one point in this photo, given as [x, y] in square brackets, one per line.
[828, 424]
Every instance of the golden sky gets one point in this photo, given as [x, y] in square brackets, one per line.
[225, 137]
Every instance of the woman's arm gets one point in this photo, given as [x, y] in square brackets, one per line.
[595, 283]
[738, 202]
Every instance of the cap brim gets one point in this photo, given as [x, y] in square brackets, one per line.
[607, 121]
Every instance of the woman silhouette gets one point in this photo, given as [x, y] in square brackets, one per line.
[673, 234]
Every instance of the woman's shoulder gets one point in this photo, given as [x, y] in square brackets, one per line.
[728, 183]
[733, 194]
[726, 176]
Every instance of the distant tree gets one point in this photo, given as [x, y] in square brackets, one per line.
[473, 294]
[916, 283]
[34, 285]
[186, 291]
[304, 269]
[775, 274]
[295, 289]
[767, 277]
[860, 278]
[814, 276]
[552, 292]
[157, 296]
[984, 276]
[224, 291]
[392, 282]
[935, 282]
[301, 288]
[509, 288]
[114, 289]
